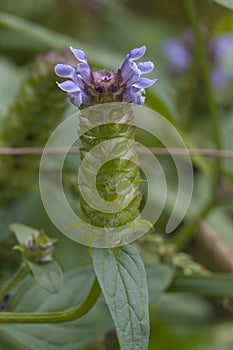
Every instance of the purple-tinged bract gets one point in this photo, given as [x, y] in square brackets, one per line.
[85, 87]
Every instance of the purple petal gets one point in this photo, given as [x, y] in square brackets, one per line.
[79, 54]
[84, 70]
[137, 53]
[130, 72]
[144, 83]
[137, 97]
[85, 98]
[64, 71]
[68, 86]
[146, 67]
[127, 96]
[134, 95]
[76, 98]
[79, 82]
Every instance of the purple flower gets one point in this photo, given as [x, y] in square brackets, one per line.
[221, 46]
[4, 301]
[85, 87]
[221, 49]
[177, 54]
[131, 76]
[219, 77]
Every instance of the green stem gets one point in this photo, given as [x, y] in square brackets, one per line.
[10, 284]
[203, 61]
[186, 233]
[55, 317]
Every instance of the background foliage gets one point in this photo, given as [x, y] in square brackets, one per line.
[193, 313]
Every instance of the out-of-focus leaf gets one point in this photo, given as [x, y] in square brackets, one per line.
[22, 232]
[224, 25]
[23, 210]
[26, 9]
[159, 278]
[221, 222]
[49, 275]
[9, 83]
[122, 277]
[34, 31]
[181, 308]
[218, 285]
[161, 103]
[180, 319]
[47, 39]
[225, 3]
[28, 297]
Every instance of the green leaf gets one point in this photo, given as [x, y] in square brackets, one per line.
[225, 3]
[11, 77]
[159, 278]
[218, 285]
[28, 297]
[161, 103]
[48, 275]
[122, 278]
[21, 210]
[23, 233]
[33, 31]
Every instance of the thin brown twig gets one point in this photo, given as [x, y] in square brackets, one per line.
[204, 152]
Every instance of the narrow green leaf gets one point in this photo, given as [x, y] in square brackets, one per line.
[22, 232]
[159, 278]
[218, 285]
[48, 275]
[33, 31]
[48, 39]
[225, 3]
[122, 278]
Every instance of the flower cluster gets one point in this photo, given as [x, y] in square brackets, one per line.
[85, 87]
[179, 54]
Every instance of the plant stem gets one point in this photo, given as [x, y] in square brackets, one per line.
[186, 233]
[203, 61]
[14, 279]
[55, 317]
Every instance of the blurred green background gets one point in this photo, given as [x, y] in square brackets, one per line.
[107, 30]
